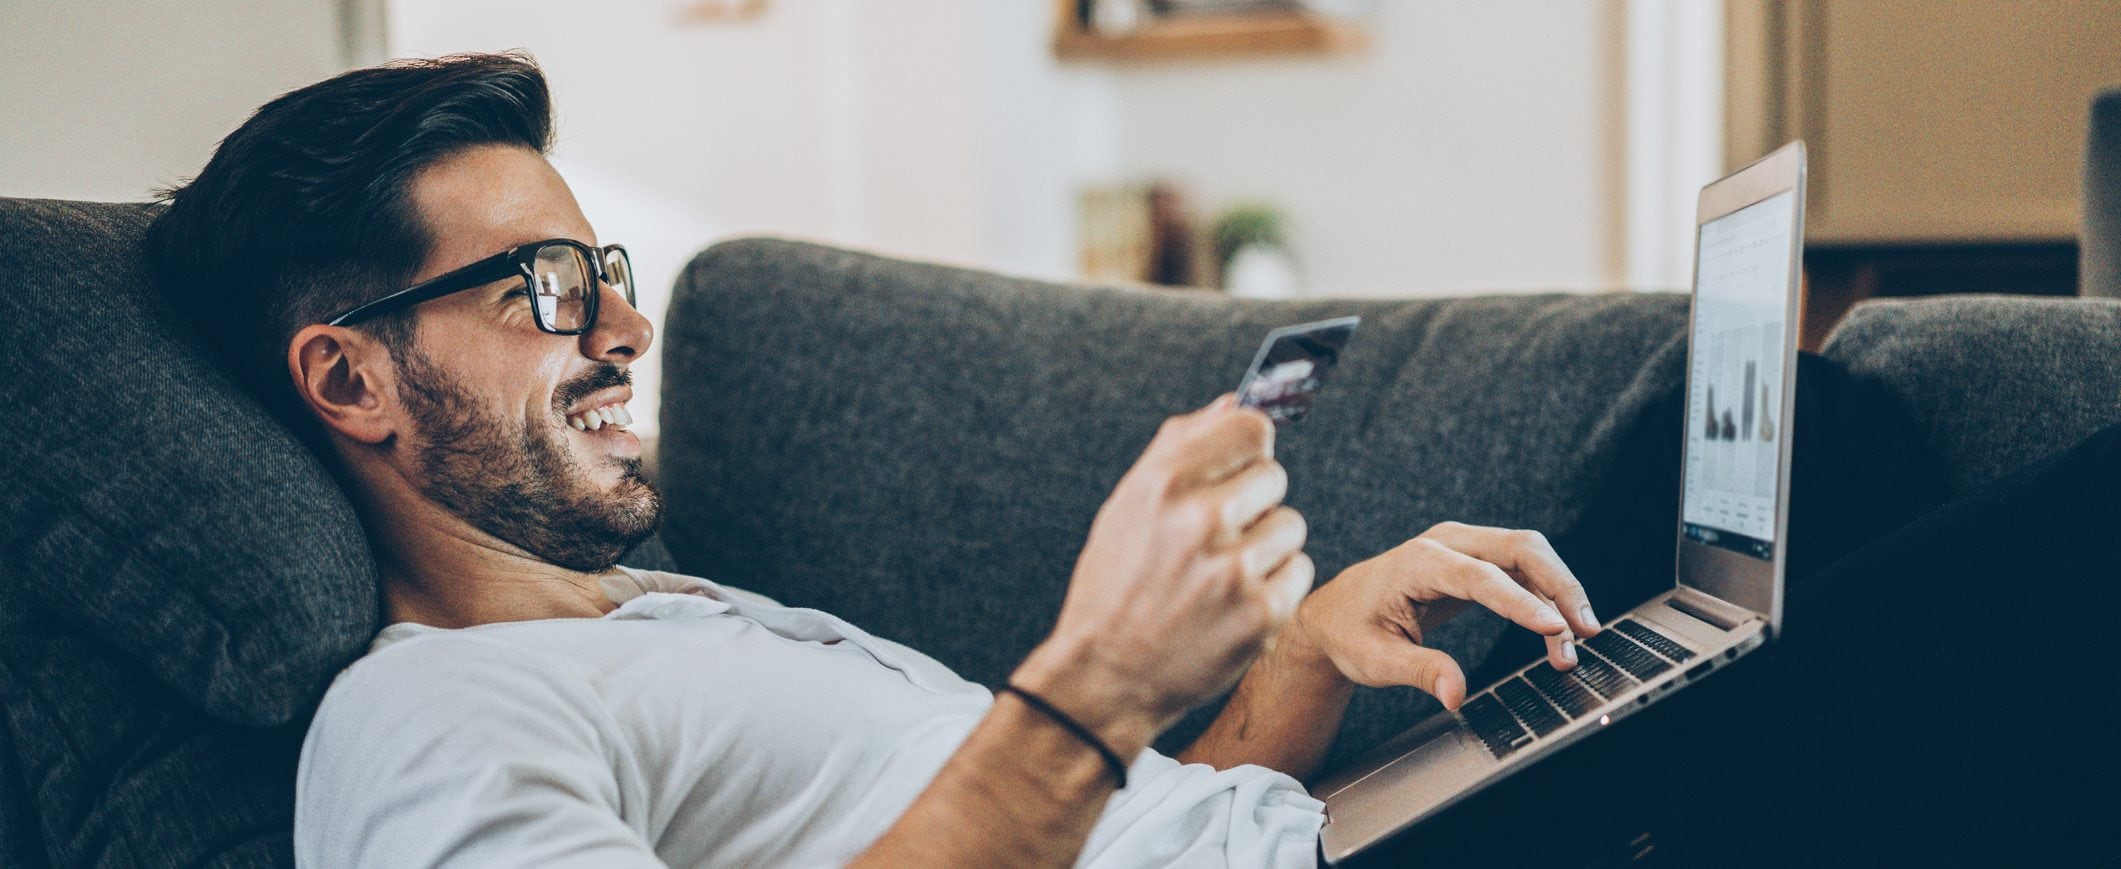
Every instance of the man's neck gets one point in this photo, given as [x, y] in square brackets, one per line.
[439, 570]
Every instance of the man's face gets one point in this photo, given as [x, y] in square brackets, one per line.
[489, 397]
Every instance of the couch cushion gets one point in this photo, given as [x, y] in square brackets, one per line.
[125, 772]
[154, 505]
[1993, 382]
[174, 561]
[921, 449]
[21, 842]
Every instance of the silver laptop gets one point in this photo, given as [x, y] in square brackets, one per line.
[1726, 599]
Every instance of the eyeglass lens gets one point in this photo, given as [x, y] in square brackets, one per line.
[618, 271]
[563, 281]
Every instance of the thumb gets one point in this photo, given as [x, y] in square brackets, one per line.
[1425, 669]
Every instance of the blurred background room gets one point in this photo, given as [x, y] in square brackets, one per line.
[1274, 147]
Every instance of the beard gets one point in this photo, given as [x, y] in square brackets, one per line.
[519, 482]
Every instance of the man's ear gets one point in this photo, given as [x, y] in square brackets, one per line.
[346, 377]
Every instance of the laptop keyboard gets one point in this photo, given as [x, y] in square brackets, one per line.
[1524, 702]
[1574, 696]
[1630, 655]
[1656, 642]
[1603, 678]
[1509, 716]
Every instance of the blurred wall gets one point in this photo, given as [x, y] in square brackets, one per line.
[111, 99]
[1928, 123]
[1472, 146]
[937, 129]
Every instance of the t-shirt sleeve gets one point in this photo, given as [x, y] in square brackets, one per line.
[463, 751]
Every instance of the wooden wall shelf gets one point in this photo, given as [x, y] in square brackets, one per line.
[1237, 34]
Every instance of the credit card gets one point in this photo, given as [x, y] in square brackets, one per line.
[1291, 365]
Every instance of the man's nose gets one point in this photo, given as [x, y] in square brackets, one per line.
[621, 333]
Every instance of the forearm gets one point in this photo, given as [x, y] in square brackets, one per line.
[1022, 790]
[1282, 716]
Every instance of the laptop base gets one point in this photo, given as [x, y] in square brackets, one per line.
[1443, 760]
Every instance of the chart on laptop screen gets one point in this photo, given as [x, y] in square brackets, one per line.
[1735, 371]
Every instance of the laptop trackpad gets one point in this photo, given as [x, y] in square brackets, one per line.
[1433, 773]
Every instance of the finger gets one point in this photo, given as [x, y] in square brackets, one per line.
[1287, 587]
[1561, 651]
[1225, 443]
[1403, 662]
[1529, 554]
[1561, 647]
[1273, 540]
[1201, 416]
[1240, 502]
[1469, 578]
[1221, 403]
[1179, 427]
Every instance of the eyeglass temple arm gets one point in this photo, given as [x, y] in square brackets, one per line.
[485, 271]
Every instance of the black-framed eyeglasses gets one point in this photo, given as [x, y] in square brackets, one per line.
[560, 276]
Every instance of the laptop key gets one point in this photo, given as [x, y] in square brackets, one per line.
[1630, 655]
[1603, 677]
[1657, 642]
[1537, 714]
[1565, 690]
[1493, 725]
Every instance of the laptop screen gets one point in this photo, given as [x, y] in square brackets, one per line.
[1735, 373]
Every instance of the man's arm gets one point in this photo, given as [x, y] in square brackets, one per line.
[1365, 627]
[1022, 790]
[1283, 714]
[1190, 567]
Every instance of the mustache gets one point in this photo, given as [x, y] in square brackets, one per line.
[604, 376]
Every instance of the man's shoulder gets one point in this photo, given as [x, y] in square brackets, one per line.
[438, 669]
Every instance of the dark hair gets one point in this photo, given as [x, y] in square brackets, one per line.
[304, 211]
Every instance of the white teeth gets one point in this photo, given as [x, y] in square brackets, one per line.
[613, 415]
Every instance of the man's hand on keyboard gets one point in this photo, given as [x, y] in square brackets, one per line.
[1370, 620]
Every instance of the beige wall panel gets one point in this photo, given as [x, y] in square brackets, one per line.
[1946, 121]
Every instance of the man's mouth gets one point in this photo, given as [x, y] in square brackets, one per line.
[613, 415]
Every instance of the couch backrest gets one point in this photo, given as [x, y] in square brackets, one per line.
[174, 568]
[921, 449]
[1994, 382]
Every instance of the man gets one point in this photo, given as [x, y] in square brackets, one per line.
[408, 280]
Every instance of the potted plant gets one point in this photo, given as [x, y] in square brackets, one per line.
[1251, 253]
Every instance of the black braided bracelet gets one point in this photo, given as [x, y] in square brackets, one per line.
[1119, 767]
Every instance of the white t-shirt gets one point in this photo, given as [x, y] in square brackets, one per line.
[696, 725]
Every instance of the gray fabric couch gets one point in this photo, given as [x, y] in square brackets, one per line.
[917, 448]
[921, 449]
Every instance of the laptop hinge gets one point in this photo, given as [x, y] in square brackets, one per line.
[1709, 609]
